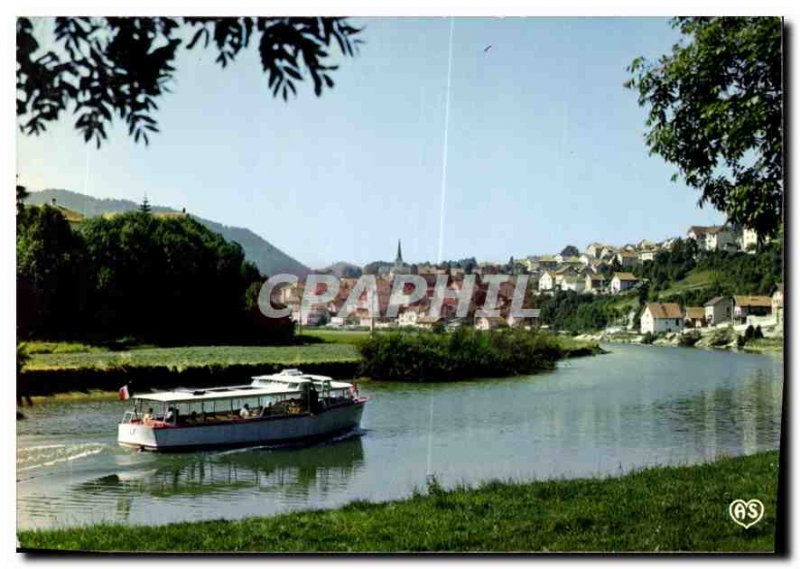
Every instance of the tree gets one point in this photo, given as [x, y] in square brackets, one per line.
[570, 251]
[715, 111]
[107, 66]
[145, 206]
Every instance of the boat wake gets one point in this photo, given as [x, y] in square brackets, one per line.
[31, 458]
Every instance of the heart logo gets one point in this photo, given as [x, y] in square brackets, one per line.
[746, 514]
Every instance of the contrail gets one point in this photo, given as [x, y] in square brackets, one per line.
[444, 147]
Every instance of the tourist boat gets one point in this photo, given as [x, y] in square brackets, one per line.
[289, 407]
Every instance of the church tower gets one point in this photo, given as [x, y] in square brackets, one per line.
[399, 259]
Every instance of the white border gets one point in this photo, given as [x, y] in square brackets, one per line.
[305, 7]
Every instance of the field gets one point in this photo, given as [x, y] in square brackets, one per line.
[654, 510]
[194, 356]
[694, 280]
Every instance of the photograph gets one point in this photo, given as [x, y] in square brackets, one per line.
[400, 285]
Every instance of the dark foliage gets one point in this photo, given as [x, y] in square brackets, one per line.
[431, 356]
[121, 66]
[715, 111]
[573, 312]
[166, 280]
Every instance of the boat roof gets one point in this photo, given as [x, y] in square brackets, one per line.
[275, 384]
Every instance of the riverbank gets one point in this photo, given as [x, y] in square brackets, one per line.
[655, 510]
[715, 339]
[59, 368]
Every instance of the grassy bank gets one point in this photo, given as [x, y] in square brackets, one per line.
[61, 371]
[659, 509]
[193, 356]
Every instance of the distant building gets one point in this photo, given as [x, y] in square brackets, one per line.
[546, 281]
[621, 282]
[694, 316]
[719, 310]
[777, 304]
[490, 322]
[714, 238]
[399, 267]
[748, 241]
[627, 257]
[750, 305]
[594, 282]
[659, 317]
[573, 282]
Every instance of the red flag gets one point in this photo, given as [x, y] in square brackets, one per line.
[123, 393]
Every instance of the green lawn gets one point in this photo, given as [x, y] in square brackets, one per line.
[695, 279]
[195, 356]
[333, 336]
[659, 509]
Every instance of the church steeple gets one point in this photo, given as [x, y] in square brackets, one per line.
[399, 259]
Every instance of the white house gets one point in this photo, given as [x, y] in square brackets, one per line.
[490, 322]
[714, 238]
[574, 283]
[546, 281]
[777, 303]
[659, 317]
[622, 281]
[748, 240]
[719, 310]
[647, 255]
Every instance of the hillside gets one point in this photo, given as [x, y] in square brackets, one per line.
[269, 259]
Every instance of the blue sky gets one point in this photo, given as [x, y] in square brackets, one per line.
[545, 146]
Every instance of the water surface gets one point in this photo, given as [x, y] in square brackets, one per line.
[634, 407]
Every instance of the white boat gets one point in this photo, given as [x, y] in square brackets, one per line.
[289, 407]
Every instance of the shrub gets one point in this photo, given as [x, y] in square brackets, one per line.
[721, 337]
[648, 338]
[689, 339]
[466, 352]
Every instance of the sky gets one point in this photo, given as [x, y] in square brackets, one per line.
[545, 145]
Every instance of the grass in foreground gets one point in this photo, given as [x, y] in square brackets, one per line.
[659, 509]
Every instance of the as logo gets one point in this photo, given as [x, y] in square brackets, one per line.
[746, 514]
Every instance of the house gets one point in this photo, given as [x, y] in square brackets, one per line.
[659, 317]
[748, 240]
[647, 255]
[517, 321]
[490, 322]
[777, 304]
[608, 252]
[719, 310]
[594, 282]
[410, 316]
[750, 305]
[573, 282]
[622, 281]
[547, 281]
[429, 321]
[714, 238]
[593, 250]
[627, 257]
[694, 316]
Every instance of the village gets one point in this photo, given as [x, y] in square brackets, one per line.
[601, 269]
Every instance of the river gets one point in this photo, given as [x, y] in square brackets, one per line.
[636, 406]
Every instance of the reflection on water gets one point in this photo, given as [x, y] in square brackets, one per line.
[635, 407]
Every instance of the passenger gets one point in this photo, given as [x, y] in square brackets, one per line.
[194, 416]
[245, 412]
[147, 417]
[172, 415]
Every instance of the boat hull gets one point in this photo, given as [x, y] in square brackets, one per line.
[293, 429]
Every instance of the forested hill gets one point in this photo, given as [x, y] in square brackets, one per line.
[269, 259]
